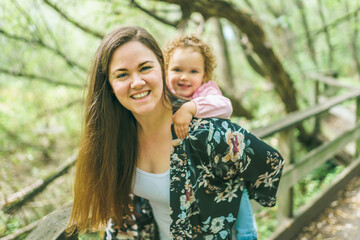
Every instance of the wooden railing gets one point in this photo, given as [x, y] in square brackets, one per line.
[290, 222]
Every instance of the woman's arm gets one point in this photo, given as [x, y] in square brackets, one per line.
[231, 152]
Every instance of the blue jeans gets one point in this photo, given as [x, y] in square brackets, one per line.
[245, 223]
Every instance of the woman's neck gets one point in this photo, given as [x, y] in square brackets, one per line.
[153, 124]
[154, 141]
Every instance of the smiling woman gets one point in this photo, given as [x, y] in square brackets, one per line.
[134, 170]
[135, 77]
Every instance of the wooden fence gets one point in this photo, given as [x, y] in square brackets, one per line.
[290, 222]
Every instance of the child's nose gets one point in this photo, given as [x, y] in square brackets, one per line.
[183, 76]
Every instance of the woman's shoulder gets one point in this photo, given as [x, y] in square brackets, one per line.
[198, 124]
[201, 128]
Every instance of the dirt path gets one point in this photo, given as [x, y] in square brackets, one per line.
[341, 221]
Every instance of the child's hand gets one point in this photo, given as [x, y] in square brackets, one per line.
[182, 119]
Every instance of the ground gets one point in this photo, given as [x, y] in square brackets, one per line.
[340, 221]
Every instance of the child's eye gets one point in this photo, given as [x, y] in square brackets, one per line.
[122, 75]
[176, 70]
[194, 71]
[145, 68]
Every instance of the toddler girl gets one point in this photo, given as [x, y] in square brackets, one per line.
[189, 66]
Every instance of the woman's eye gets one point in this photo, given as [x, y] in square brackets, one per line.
[145, 68]
[122, 75]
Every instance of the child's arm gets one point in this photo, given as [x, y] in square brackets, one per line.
[207, 102]
[211, 103]
[182, 119]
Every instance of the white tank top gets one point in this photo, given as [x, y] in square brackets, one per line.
[156, 189]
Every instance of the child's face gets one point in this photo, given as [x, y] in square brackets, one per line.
[186, 71]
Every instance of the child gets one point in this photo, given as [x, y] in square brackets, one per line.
[189, 66]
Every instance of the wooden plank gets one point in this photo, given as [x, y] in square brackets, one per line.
[286, 147]
[52, 226]
[330, 81]
[293, 119]
[357, 114]
[316, 206]
[316, 129]
[295, 172]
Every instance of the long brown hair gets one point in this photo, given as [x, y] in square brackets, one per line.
[108, 148]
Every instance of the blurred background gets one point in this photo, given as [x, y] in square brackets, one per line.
[268, 53]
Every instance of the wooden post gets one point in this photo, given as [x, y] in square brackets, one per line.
[357, 142]
[316, 101]
[285, 201]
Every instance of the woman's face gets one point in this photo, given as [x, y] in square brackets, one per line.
[136, 79]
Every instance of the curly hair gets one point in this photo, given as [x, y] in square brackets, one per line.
[198, 45]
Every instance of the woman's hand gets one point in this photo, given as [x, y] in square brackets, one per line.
[182, 119]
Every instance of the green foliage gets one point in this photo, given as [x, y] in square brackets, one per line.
[40, 121]
[266, 222]
[314, 183]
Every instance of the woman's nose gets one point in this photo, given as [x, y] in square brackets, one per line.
[137, 82]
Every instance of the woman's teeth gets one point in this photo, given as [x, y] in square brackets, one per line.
[140, 95]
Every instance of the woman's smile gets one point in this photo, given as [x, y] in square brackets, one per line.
[141, 95]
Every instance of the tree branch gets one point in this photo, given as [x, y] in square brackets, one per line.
[337, 21]
[40, 43]
[152, 14]
[74, 22]
[327, 35]
[59, 108]
[309, 38]
[40, 78]
[17, 200]
[19, 140]
[21, 231]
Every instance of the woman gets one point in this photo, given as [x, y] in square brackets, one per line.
[133, 169]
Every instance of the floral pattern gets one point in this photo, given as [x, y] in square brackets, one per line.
[208, 172]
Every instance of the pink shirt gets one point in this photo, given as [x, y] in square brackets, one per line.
[210, 102]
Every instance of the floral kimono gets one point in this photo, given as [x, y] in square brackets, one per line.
[208, 172]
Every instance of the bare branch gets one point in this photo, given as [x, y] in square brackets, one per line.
[40, 43]
[327, 34]
[19, 140]
[59, 108]
[337, 21]
[52, 37]
[74, 22]
[152, 14]
[309, 38]
[353, 40]
[21, 231]
[40, 78]
[17, 200]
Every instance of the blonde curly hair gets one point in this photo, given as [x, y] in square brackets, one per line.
[198, 45]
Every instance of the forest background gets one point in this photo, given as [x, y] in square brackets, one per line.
[267, 53]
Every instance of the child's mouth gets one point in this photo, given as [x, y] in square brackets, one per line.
[184, 85]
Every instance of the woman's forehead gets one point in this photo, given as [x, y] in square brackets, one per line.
[132, 53]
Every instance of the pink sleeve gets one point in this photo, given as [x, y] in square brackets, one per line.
[211, 103]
